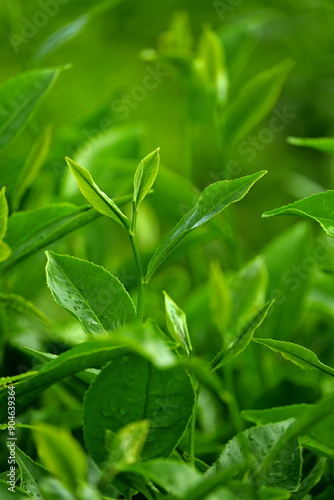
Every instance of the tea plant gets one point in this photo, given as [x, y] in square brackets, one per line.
[142, 398]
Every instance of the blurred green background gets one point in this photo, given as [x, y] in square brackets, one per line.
[109, 59]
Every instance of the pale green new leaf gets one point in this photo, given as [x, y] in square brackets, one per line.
[145, 176]
[5, 251]
[319, 207]
[215, 198]
[61, 454]
[125, 446]
[174, 477]
[177, 324]
[96, 297]
[220, 297]
[243, 339]
[3, 213]
[69, 31]
[19, 98]
[32, 166]
[323, 144]
[254, 102]
[21, 305]
[212, 64]
[97, 198]
[130, 389]
[301, 356]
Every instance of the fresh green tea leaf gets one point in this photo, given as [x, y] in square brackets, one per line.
[97, 198]
[215, 198]
[145, 176]
[298, 354]
[19, 98]
[243, 339]
[248, 292]
[21, 305]
[311, 480]
[319, 207]
[5, 251]
[32, 166]
[290, 262]
[254, 102]
[131, 389]
[323, 144]
[211, 65]
[254, 445]
[96, 297]
[61, 454]
[31, 230]
[125, 446]
[3, 213]
[177, 324]
[174, 477]
[220, 297]
[31, 473]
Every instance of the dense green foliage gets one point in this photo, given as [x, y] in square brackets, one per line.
[159, 339]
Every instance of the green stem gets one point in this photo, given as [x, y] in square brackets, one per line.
[232, 401]
[192, 428]
[139, 267]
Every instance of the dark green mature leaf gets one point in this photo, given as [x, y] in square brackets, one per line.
[323, 144]
[254, 445]
[31, 230]
[318, 438]
[298, 354]
[96, 297]
[32, 166]
[145, 176]
[31, 473]
[22, 306]
[254, 102]
[19, 98]
[215, 198]
[314, 415]
[61, 453]
[93, 194]
[243, 339]
[177, 324]
[319, 207]
[131, 389]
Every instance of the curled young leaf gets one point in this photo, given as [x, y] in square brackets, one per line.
[145, 176]
[93, 194]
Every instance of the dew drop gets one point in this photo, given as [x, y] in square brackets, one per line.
[284, 478]
[276, 463]
[81, 288]
[279, 475]
[264, 451]
[250, 437]
[106, 413]
[124, 411]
